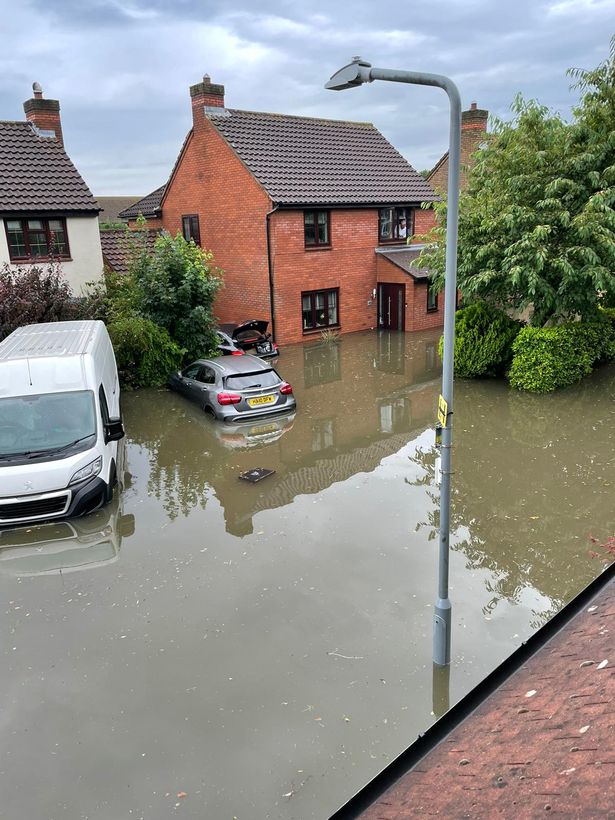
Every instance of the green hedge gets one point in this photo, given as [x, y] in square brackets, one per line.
[548, 358]
[145, 353]
[483, 341]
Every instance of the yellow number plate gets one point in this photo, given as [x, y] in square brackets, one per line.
[261, 400]
[255, 431]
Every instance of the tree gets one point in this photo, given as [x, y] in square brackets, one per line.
[177, 285]
[537, 223]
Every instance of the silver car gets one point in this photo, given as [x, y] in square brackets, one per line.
[235, 388]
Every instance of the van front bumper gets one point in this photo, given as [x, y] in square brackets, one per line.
[69, 503]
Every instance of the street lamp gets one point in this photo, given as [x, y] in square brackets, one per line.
[350, 76]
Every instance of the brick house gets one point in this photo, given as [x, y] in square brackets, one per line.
[308, 218]
[473, 130]
[46, 209]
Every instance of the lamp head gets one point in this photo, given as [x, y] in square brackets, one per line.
[354, 74]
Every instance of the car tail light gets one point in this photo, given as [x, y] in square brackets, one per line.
[228, 398]
[286, 389]
[275, 345]
[237, 353]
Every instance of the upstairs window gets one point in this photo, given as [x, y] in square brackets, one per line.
[190, 228]
[316, 229]
[36, 238]
[395, 224]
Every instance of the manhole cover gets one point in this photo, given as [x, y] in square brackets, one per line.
[256, 474]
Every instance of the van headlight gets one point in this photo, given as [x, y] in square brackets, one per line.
[89, 471]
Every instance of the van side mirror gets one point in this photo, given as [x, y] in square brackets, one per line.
[114, 430]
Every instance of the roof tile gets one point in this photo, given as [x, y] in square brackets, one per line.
[300, 160]
[36, 174]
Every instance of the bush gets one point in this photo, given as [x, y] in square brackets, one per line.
[483, 341]
[33, 294]
[177, 285]
[548, 358]
[145, 353]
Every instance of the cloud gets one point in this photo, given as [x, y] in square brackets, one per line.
[122, 68]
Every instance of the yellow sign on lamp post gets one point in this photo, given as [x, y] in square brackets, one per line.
[442, 410]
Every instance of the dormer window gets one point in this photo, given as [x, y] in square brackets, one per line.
[395, 224]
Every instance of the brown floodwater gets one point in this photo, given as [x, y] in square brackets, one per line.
[210, 648]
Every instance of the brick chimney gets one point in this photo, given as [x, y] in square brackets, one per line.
[474, 119]
[44, 114]
[205, 95]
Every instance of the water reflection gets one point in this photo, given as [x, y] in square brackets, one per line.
[66, 546]
[528, 469]
[363, 411]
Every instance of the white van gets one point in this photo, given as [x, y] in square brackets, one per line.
[60, 421]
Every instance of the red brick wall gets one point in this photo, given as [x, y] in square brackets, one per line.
[424, 221]
[349, 264]
[417, 317]
[211, 181]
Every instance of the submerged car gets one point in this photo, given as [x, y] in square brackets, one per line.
[248, 336]
[234, 388]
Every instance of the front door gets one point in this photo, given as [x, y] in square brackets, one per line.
[391, 306]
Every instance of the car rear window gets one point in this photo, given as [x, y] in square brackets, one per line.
[262, 378]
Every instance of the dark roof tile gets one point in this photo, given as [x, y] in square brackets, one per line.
[403, 257]
[300, 160]
[118, 244]
[36, 174]
[149, 206]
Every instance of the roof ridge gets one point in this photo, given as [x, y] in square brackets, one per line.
[295, 117]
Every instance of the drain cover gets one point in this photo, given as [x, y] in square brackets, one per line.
[256, 474]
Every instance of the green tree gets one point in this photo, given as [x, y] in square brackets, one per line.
[537, 223]
[177, 285]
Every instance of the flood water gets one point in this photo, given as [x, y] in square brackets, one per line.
[209, 648]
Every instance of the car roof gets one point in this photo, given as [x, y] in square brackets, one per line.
[236, 365]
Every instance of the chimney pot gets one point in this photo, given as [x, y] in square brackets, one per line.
[473, 106]
[38, 91]
[206, 78]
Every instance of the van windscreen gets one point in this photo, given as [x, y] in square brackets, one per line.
[46, 422]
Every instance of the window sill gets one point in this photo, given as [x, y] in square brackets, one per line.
[34, 260]
[312, 331]
[318, 247]
[432, 310]
[394, 241]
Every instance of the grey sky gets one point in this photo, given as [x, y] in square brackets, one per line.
[121, 68]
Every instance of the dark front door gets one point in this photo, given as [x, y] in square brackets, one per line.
[391, 306]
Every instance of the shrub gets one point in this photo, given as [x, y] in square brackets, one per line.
[548, 358]
[483, 341]
[32, 294]
[145, 353]
[177, 285]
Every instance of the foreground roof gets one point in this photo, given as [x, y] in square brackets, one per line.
[148, 206]
[36, 174]
[537, 735]
[301, 160]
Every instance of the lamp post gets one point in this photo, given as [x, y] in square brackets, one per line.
[350, 76]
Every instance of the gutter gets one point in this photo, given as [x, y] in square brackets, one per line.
[270, 271]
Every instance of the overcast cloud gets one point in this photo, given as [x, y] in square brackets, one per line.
[121, 68]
